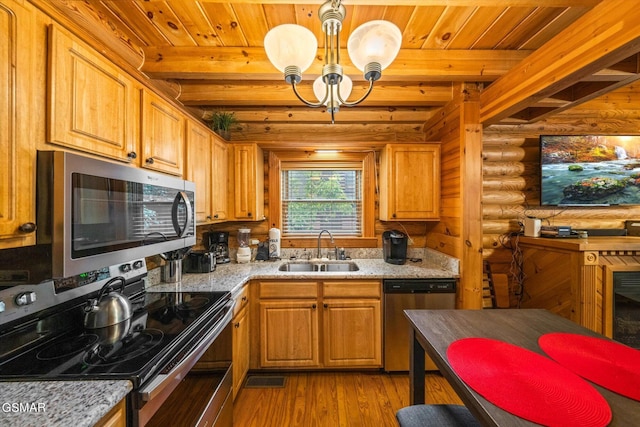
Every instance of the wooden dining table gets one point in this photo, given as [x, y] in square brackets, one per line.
[432, 331]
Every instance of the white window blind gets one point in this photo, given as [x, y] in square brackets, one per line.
[316, 198]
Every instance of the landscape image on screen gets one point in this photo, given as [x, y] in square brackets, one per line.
[589, 170]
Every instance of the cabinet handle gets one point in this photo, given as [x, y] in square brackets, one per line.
[208, 216]
[314, 306]
[394, 215]
[132, 155]
[249, 214]
[244, 298]
[149, 161]
[326, 305]
[215, 216]
[27, 227]
[237, 324]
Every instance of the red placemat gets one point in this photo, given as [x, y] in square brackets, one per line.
[607, 363]
[527, 384]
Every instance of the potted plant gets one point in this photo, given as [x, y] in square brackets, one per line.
[220, 122]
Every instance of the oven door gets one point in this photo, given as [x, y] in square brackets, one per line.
[194, 389]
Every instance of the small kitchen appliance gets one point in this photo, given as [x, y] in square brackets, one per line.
[218, 243]
[394, 247]
[244, 251]
[199, 262]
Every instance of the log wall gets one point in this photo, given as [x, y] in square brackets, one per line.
[511, 175]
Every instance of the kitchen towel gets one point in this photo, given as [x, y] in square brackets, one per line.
[527, 384]
[609, 364]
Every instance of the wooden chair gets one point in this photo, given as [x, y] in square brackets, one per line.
[495, 288]
[436, 416]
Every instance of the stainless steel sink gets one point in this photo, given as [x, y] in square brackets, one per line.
[319, 266]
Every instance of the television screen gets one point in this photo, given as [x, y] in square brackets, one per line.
[589, 170]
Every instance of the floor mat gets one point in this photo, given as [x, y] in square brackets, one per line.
[264, 381]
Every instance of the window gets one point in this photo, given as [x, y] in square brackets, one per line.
[310, 192]
[318, 199]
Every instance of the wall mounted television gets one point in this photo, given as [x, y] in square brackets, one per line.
[589, 170]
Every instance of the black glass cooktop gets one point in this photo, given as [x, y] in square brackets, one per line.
[58, 347]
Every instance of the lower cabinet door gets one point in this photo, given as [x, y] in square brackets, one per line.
[289, 334]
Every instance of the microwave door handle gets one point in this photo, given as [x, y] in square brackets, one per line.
[181, 232]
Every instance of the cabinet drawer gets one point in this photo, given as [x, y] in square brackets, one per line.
[289, 289]
[242, 299]
[352, 289]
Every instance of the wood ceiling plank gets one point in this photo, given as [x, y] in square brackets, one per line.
[528, 27]
[562, 21]
[420, 25]
[225, 23]
[479, 23]
[502, 26]
[278, 14]
[160, 14]
[195, 22]
[445, 30]
[137, 21]
[253, 13]
[252, 63]
[605, 35]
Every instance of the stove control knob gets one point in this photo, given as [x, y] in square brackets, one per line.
[138, 264]
[25, 298]
[125, 268]
[2, 306]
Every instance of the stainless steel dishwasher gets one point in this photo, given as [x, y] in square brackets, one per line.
[408, 294]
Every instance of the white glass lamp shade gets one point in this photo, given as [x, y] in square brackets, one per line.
[345, 89]
[374, 41]
[290, 44]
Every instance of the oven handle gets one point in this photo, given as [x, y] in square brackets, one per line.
[164, 384]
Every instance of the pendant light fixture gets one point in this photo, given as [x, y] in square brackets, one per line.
[372, 47]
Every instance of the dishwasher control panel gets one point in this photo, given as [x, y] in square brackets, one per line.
[410, 286]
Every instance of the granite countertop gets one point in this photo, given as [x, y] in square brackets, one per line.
[84, 403]
[59, 403]
[231, 277]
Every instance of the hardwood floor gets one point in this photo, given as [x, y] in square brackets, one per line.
[318, 399]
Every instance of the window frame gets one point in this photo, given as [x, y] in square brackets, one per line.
[367, 161]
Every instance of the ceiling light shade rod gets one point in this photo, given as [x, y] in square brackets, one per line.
[372, 47]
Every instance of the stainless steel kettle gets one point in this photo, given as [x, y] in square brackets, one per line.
[110, 308]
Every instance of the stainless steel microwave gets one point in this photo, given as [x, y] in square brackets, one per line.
[93, 213]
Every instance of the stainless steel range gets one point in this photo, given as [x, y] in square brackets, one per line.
[43, 336]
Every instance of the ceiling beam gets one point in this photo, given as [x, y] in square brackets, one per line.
[253, 64]
[205, 92]
[473, 3]
[603, 36]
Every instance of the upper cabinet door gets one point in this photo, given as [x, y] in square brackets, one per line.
[220, 181]
[410, 182]
[93, 105]
[17, 74]
[162, 135]
[199, 152]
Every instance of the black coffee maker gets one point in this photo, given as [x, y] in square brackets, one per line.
[394, 247]
[219, 245]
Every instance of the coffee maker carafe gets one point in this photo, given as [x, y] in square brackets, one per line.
[394, 247]
[219, 245]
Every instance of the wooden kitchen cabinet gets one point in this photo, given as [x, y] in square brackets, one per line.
[220, 180]
[116, 417]
[350, 315]
[352, 322]
[248, 185]
[17, 149]
[410, 182]
[162, 135]
[241, 340]
[92, 104]
[199, 169]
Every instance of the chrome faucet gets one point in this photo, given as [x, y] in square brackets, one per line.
[319, 255]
